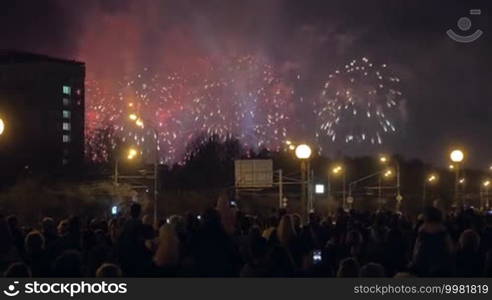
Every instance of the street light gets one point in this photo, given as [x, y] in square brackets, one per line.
[303, 153]
[485, 188]
[462, 184]
[132, 153]
[133, 117]
[290, 145]
[456, 157]
[2, 126]
[384, 160]
[139, 122]
[337, 170]
[387, 173]
[431, 179]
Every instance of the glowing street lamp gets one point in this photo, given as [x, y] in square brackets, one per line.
[431, 179]
[140, 123]
[337, 170]
[387, 173]
[485, 193]
[2, 126]
[133, 117]
[303, 153]
[461, 181]
[290, 145]
[132, 153]
[385, 160]
[457, 156]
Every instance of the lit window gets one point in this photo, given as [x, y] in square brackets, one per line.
[66, 138]
[66, 102]
[67, 90]
[65, 161]
[66, 114]
[66, 126]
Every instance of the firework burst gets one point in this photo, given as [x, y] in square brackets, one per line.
[359, 104]
[244, 99]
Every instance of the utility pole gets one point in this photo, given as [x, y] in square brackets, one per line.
[280, 189]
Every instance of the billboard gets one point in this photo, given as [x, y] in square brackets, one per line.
[253, 173]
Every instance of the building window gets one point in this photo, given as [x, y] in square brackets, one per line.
[66, 114]
[66, 138]
[65, 161]
[66, 126]
[66, 102]
[67, 90]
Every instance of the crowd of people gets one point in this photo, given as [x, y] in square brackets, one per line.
[224, 242]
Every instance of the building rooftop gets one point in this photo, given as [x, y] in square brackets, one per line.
[15, 56]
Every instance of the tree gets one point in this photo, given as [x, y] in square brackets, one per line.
[209, 163]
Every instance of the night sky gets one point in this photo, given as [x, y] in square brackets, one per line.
[447, 86]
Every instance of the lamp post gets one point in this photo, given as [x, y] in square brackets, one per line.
[384, 174]
[462, 186]
[132, 153]
[384, 160]
[486, 185]
[431, 179]
[140, 123]
[456, 157]
[353, 183]
[337, 170]
[303, 153]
